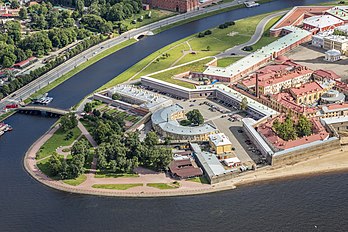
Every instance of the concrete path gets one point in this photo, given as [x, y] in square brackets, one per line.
[237, 50]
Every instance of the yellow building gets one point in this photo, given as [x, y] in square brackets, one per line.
[220, 143]
[307, 93]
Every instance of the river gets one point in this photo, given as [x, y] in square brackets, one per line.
[317, 203]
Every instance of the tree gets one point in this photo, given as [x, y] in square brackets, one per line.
[80, 6]
[55, 164]
[88, 107]
[304, 126]
[195, 117]
[68, 121]
[151, 139]
[23, 13]
[14, 4]
[244, 104]
[116, 96]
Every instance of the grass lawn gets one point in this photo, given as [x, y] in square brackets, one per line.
[200, 179]
[224, 62]
[77, 181]
[105, 174]
[218, 41]
[173, 185]
[58, 139]
[116, 186]
[167, 75]
[80, 68]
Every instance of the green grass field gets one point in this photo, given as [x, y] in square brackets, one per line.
[167, 75]
[218, 41]
[266, 38]
[77, 181]
[115, 186]
[173, 185]
[58, 139]
[156, 15]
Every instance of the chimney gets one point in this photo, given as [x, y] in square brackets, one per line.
[257, 86]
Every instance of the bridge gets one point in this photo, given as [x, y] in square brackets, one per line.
[42, 109]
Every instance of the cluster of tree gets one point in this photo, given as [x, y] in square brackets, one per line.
[202, 34]
[120, 152]
[43, 16]
[226, 25]
[194, 118]
[71, 168]
[16, 83]
[289, 130]
[68, 121]
[96, 23]
[244, 104]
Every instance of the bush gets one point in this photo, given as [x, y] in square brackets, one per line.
[201, 35]
[208, 32]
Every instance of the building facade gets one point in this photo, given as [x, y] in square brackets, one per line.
[180, 6]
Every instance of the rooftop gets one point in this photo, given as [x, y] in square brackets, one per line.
[260, 55]
[307, 88]
[322, 21]
[339, 12]
[162, 118]
[184, 168]
[220, 139]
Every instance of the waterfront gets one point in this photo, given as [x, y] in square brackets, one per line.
[26, 205]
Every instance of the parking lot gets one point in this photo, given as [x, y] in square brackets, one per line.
[227, 120]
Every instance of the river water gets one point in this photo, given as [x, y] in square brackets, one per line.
[317, 203]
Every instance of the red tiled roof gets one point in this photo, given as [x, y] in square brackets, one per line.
[327, 74]
[307, 88]
[319, 133]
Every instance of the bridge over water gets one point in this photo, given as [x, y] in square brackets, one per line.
[48, 111]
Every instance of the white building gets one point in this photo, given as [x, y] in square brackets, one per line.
[332, 55]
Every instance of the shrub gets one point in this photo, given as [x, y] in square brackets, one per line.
[201, 35]
[208, 32]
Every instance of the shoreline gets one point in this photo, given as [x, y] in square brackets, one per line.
[334, 162]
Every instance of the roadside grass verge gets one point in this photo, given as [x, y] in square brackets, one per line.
[77, 181]
[6, 115]
[156, 15]
[173, 185]
[58, 139]
[200, 179]
[224, 62]
[116, 186]
[80, 68]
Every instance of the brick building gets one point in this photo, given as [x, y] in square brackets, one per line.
[181, 6]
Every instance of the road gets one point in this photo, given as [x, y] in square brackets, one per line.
[70, 64]
[237, 50]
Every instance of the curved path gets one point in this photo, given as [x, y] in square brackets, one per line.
[237, 50]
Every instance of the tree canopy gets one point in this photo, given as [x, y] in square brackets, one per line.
[195, 117]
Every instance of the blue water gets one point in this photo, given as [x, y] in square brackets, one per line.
[318, 203]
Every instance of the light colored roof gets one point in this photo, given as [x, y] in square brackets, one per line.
[232, 160]
[333, 120]
[322, 21]
[219, 139]
[333, 96]
[162, 118]
[339, 12]
[147, 98]
[253, 59]
[239, 97]
[333, 52]
[209, 161]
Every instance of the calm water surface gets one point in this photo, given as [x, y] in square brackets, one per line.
[309, 204]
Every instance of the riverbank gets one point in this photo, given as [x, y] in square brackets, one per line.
[334, 161]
